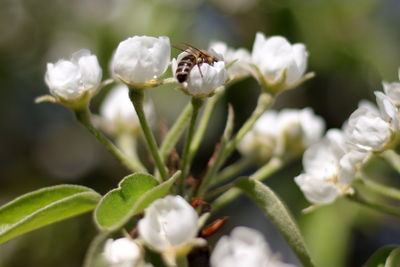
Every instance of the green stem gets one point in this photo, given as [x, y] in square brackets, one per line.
[261, 175]
[264, 172]
[84, 117]
[127, 143]
[176, 131]
[356, 197]
[264, 101]
[380, 189]
[94, 254]
[203, 123]
[137, 97]
[186, 158]
[232, 170]
[393, 158]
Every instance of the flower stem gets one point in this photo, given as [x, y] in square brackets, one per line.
[137, 97]
[264, 101]
[393, 158]
[261, 175]
[83, 116]
[264, 172]
[186, 157]
[232, 170]
[176, 131]
[127, 143]
[182, 261]
[380, 189]
[356, 197]
[203, 123]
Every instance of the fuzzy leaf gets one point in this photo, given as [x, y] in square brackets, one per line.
[134, 193]
[44, 206]
[276, 210]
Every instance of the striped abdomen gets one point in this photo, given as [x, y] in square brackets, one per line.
[184, 67]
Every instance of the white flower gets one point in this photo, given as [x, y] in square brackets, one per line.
[329, 168]
[370, 129]
[239, 58]
[73, 82]
[118, 113]
[279, 62]
[244, 247]
[122, 252]
[392, 90]
[203, 78]
[140, 59]
[170, 226]
[285, 133]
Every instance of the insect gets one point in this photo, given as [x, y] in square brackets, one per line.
[195, 57]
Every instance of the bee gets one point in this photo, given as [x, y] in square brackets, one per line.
[195, 57]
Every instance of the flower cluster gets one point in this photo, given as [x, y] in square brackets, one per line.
[331, 165]
[244, 247]
[284, 134]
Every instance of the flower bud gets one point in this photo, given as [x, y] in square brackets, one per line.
[203, 78]
[122, 252]
[140, 59]
[370, 129]
[392, 90]
[170, 226]
[284, 134]
[278, 64]
[244, 247]
[118, 114]
[237, 60]
[74, 82]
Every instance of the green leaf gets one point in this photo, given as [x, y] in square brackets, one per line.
[272, 206]
[44, 206]
[134, 193]
[379, 257]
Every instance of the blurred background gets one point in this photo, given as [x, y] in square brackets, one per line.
[353, 46]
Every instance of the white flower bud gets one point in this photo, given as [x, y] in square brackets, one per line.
[287, 133]
[280, 63]
[329, 168]
[370, 129]
[239, 58]
[73, 82]
[117, 111]
[140, 59]
[392, 90]
[122, 252]
[169, 226]
[203, 78]
[244, 247]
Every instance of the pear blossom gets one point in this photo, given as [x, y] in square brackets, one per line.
[170, 226]
[279, 63]
[203, 78]
[285, 133]
[73, 82]
[117, 111]
[244, 247]
[392, 90]
[330, 167]
[372, 129]
[123, 252]
[140, 59]
[239, 58]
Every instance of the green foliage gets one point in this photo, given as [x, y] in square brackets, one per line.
[44, 206]
[134, 193]
[276, 210]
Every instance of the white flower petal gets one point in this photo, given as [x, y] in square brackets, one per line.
[317, 190]
[168, 223]
[141, 58]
